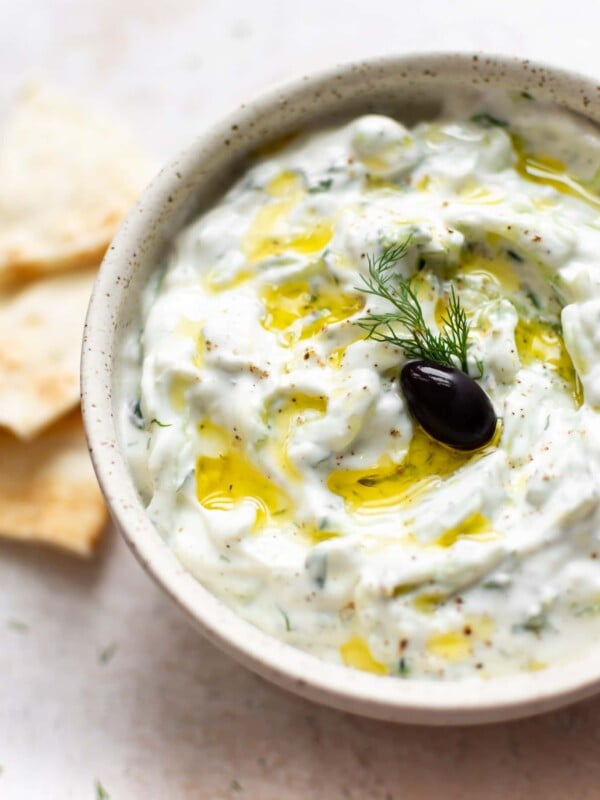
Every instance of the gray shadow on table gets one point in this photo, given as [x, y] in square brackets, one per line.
[56, 565]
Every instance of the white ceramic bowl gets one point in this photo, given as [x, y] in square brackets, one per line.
[409, 87]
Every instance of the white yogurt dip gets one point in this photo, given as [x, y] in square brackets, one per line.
[273, 446]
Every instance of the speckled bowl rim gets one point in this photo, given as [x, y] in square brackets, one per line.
[159, 213]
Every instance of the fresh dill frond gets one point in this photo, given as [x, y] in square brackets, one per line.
[456, 330]
[446, 347]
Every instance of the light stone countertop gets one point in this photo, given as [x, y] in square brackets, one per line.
[101, 677]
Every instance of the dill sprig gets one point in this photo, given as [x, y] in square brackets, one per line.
[447, 347]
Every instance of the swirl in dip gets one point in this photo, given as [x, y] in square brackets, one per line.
[270, 440]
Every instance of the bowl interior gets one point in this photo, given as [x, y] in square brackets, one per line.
[410, 89]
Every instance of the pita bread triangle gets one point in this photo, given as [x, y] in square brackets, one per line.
[66, 181]
[48, 490]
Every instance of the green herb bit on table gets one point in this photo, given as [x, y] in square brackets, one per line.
[101, 793]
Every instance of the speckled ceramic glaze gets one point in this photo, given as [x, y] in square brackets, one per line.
[407, 87]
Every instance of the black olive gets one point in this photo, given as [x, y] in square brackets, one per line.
[448, 405]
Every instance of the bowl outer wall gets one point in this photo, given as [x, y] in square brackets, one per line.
[409, 86]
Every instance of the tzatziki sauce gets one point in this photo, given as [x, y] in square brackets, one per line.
[268, 435]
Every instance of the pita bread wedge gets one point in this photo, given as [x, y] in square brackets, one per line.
[66, 181]
[48, 490]
[41, 326]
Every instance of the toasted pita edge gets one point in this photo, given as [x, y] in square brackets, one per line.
[48, 489]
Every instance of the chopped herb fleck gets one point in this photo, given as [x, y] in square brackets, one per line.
[105, 655]
[536, 624]
[368, 481]
[286, 619]
[547, 423]
[135, 415]
[527, 96]
[515, 256]
[316, 565]
[160, 276]
[493, 585]
[557, 291]
[403, 668]
[18, 625]
[489, 121]
[323, 185]
[535, 300]
[101, 793]
[588, 611]
[235, 785]
[160, 424]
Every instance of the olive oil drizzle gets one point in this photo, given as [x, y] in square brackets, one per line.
[356, 653]
[271, 232]
[301, 309]
[388, 485]
[550, 171]
[537, 340]
[226, 476]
